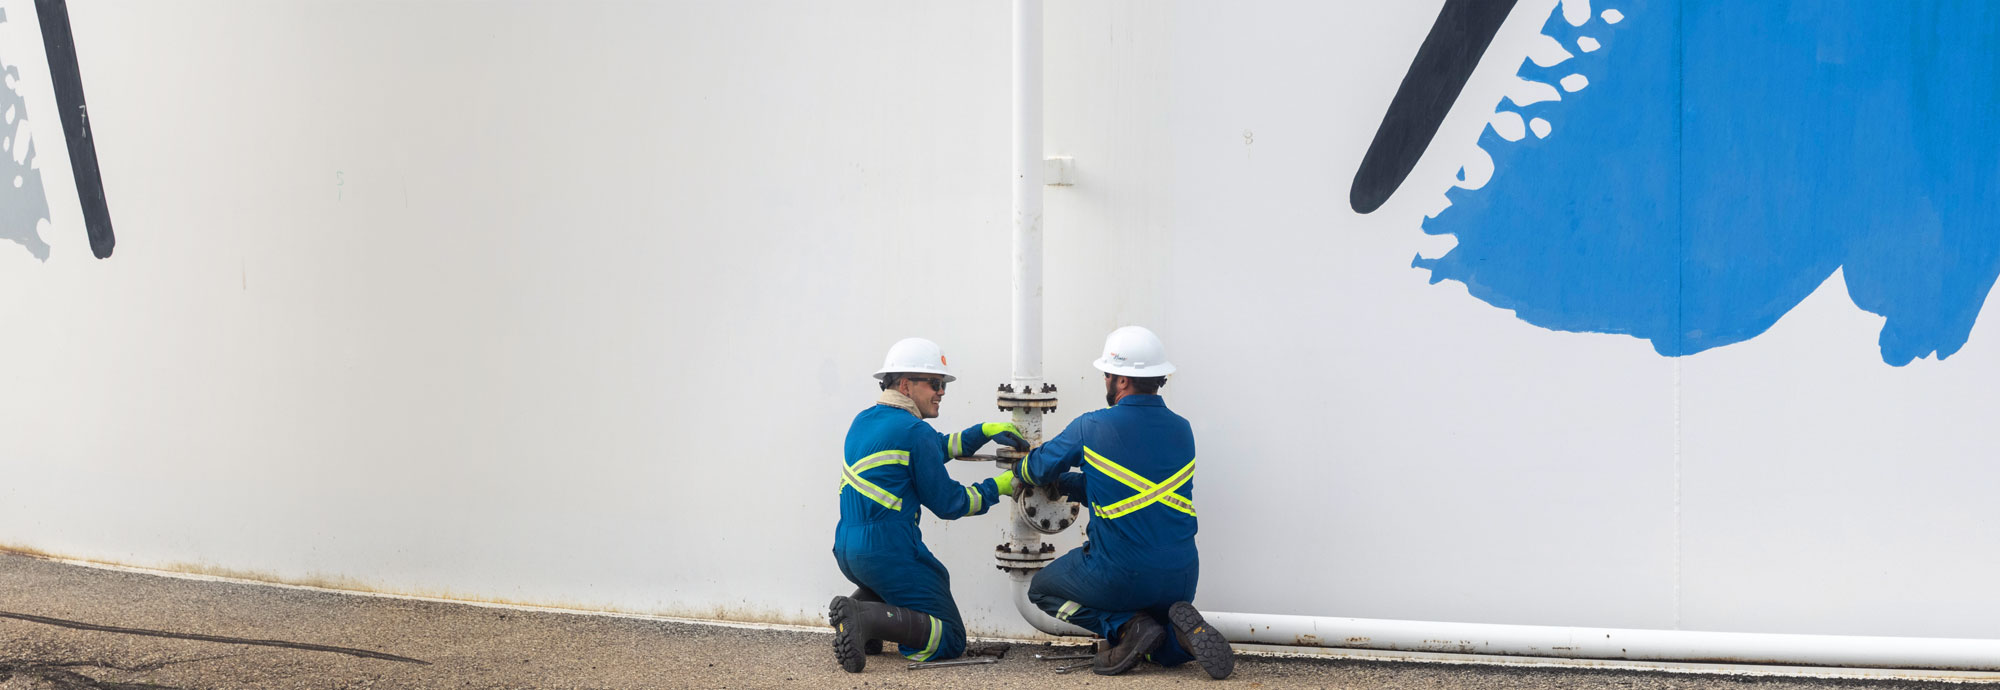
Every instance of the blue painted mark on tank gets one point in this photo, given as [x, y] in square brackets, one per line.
[1726, 158]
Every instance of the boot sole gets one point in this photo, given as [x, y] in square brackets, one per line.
[847, 648]
[1206, 643]
[871, 647]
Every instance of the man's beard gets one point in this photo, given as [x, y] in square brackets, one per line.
[1110, 393]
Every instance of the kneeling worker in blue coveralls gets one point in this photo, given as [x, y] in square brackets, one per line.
[1134, 580]
[894, 462]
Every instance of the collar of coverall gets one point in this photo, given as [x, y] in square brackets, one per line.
[1139, 399]
[895, 398]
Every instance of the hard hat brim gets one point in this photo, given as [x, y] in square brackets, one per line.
[1161, 369]
[948, 378]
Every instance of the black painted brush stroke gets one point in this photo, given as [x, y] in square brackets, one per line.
[1457, 41]
[68, 82]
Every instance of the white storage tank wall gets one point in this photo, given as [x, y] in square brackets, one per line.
[571, 304]
[1418, 454]
[551, 303]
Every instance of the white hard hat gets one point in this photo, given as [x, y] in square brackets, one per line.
[1134, 351]
[915, 356]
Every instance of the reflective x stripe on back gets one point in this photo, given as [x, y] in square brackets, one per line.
[1149, 492]
[851, 476]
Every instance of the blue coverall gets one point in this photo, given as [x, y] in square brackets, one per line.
[895, 461]
[1137, 475]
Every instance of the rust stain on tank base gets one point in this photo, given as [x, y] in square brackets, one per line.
[25, 551]
[1458, 646]
[1307, 641]
[1357, 640]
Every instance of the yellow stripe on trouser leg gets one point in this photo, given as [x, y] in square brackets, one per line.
[937, 633]
[1069, 608]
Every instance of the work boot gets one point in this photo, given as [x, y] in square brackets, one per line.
[1202, 640]
[852, 656]
[1137, 638]
[873, 647]
[856, 622]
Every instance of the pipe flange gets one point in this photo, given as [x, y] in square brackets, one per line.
[1043, 510]
[1027, 398]
[1029, 568]
[1016, 558]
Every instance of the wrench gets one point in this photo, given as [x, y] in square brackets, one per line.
[954, 662]
[1071, 667]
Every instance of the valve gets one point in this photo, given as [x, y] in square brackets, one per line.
[1037, 510]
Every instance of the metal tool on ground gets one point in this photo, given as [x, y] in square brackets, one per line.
[1072, 667]
[1064, 657]
[955, 662]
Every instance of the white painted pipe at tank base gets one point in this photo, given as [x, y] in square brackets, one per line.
[1943, 654]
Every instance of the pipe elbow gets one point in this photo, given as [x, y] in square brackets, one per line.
[1038, 618]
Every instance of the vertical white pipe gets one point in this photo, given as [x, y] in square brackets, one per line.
[1021, 537]
[1027, 193]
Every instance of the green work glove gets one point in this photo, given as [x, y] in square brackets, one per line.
[1004, 433]
[1020, 475]
[1004, 482]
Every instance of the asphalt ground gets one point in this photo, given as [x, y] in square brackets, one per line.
[71, 627]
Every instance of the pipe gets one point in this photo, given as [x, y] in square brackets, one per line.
[1021, 538]
[1028, 195]
[1036, 616]
[1610, 643]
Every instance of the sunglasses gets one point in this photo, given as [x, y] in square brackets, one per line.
[935, 384]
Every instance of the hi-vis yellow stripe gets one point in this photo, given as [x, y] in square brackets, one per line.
[937, 633]
[851, 476]
[1149, 492]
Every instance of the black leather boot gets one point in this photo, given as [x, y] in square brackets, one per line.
[1206, 643]
[1136, 638]
[857, 622]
